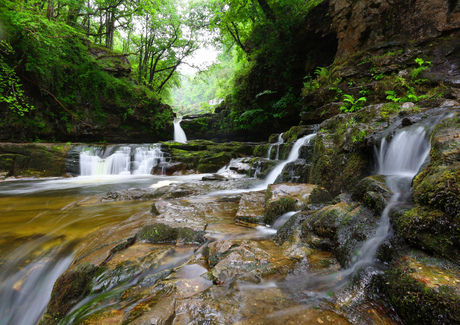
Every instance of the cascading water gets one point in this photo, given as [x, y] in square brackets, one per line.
[179, 134]
[293, 155]
[399, 160]
[277, 144]
[123, 160]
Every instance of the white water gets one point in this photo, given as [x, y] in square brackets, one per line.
[400, 160]
[124, 160]
[179, 134]
[277, 144]
[273, 175]
[293, 155]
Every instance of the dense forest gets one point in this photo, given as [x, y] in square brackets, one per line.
[80, 70]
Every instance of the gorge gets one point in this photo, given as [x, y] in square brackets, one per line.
[324, 189]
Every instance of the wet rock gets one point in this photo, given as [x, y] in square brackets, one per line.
[343, 151]
[423, 289]
[214, 177]
[69, 289]
[260, 167]
[373, 192]
[163, 313]
[246, 260]
[433, 224]
[42, 160]
[206, 156]
[101, 243]
[163, 234]
[251, 206]
[282, 198]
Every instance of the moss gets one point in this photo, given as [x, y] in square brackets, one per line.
[431, 230]
[414, 301]
[276, 208]
[159, 233]
[439, 187]
[70, 288]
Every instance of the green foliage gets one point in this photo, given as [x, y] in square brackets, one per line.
[422, 66]
[11, 90]
[352, 104]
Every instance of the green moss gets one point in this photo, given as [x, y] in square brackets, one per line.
[417, 303]
[431, 230]
[439, 187]
[276, 208]
[159, 233]
[70, 288]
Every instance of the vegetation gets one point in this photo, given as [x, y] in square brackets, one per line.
[65, 64]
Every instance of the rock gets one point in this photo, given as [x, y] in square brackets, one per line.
[251, 206]
[70, 288]
[373, 192]
[423, 289]
[282, 198]
[407, 105]
[159, 233]
[214, 177]
[260, 167]
[204, 156]
[163, 313]
[43, 160]
[246, 260]
[433, 224]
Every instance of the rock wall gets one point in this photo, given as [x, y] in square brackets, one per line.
[368, 23]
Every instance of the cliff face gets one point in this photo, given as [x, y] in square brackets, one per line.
[364, 24]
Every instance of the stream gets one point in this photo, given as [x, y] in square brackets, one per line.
[44, 221]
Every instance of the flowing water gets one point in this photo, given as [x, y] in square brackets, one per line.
[44, 220]
[179, 134]
[277, 144]
[41, 223]
[399, 160]
[120, 159]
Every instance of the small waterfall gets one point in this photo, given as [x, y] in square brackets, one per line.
[277, 144]
[179, 134]
[400, 160]
[293, 155]
[121, 160]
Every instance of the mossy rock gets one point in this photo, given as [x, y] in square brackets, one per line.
[70, 288]
[324, 224]
[33, 159]
[439, 188]
[431, 230]
[277, 208]
[423, 290]
[282, 198]
[335, 169]
[159, 233]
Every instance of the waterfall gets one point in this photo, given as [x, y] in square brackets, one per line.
[179, 134]
[400, 160]
[121, 160]
[277, 144]
[293, 155]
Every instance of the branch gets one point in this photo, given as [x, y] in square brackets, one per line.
[76, 117]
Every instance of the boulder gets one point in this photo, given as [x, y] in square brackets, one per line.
[423, 289]
[282, 198]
